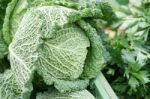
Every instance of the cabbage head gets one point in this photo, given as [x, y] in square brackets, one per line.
[55, 39]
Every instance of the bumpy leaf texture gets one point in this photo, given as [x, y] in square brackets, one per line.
[9, 88]
[84, 94]
[17, 8]
[53, 40]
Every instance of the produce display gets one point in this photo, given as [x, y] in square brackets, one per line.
[51, 49]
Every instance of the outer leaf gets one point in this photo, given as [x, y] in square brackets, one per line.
[17, 15]
[9, 88]
[23, 52]
[14, 14]
[6, 29]
[84, 94]
[95, 59]
[3, 47]
[106, 10]
[70, 86]
[3, 5]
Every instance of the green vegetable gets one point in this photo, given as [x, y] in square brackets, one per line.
[53, 94]
[54, 40]
[9, 86]
[3, 5]
[54, 48]
[3, 46]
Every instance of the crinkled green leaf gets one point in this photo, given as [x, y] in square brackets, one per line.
[83, 94]
[9, 88]
[17, 15]
[22, 54]
[69, 86]
[6, 29]
[95, 60]
[105, 7]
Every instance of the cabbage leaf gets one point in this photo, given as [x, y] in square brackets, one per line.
[53, 94]
[9, 88]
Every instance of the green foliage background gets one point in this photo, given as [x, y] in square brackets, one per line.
[128, 69]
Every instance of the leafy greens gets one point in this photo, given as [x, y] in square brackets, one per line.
[54, 40]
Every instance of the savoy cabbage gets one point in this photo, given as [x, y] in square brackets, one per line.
[56, 40]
